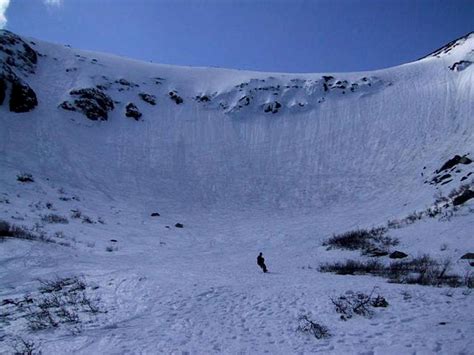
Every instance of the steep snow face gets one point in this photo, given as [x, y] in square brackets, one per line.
[214, 137]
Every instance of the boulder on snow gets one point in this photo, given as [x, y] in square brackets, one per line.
[465, 196]
[460, 66]
[155, 214]
[151, 99]
[468, 256]
[92, 102]
[397, 255]
[179, 225]
[125, 82]
[272, 107]
[131, 110]
[22, 97]
[203, 98]
[457, 159]
[175, 97]
[376, 252]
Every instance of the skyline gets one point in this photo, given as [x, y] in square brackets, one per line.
[273, 36]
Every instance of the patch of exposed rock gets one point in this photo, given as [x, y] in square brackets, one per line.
[22, 97]
[131, 110]
[92, 102]
[16, 54]
[17, 61]
[151, 99]
[175, 97]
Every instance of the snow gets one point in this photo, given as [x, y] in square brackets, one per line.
[241, 181]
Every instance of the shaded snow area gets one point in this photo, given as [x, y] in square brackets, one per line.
[135, 198]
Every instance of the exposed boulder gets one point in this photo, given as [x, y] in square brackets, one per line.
[22, 97]
[151, 99]
[66, 105]
[397, 255]
[131, 110]
[175, 97]
[179, 225]
[465, 196]
[460, 66]
[457, 159]
[126, 83]
[203, 98]
[245, 100]
[272, 107]
[155, 214]
[92, 102]
[468, 256]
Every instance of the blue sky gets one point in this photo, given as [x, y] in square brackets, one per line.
[266, 35]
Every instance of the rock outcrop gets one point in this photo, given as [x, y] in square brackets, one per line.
[92, 102]
[131, 110]
[151, 99]
[17, 61]
[22, 97]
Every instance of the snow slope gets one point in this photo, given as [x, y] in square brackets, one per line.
[247, 162]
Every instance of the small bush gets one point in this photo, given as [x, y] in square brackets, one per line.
[61, 301]
[54, 218]
[358, 303]
[25, 177]
[25, 347]
[8, 230]
[87, 219]
[353, 267]
[371, 242]
[308, 326]
[413, 217]
[76, 214]
[421, 271]
[459, 190]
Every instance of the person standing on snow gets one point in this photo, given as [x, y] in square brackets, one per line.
[261, 262]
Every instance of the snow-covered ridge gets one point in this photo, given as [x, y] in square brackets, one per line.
[450, 47]
[216, 135]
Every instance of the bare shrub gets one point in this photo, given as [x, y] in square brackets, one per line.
[76, 214]
[308, 326]
[87, 219]
[468, 280]
[354, 267]
[422, 270]
[8, 230]
[21, 346]
[370, 241]
[25, 177]
[57, 284]
[61, 301]
[54, 218]
[357, 303]
[413, 217]
[459, 190]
